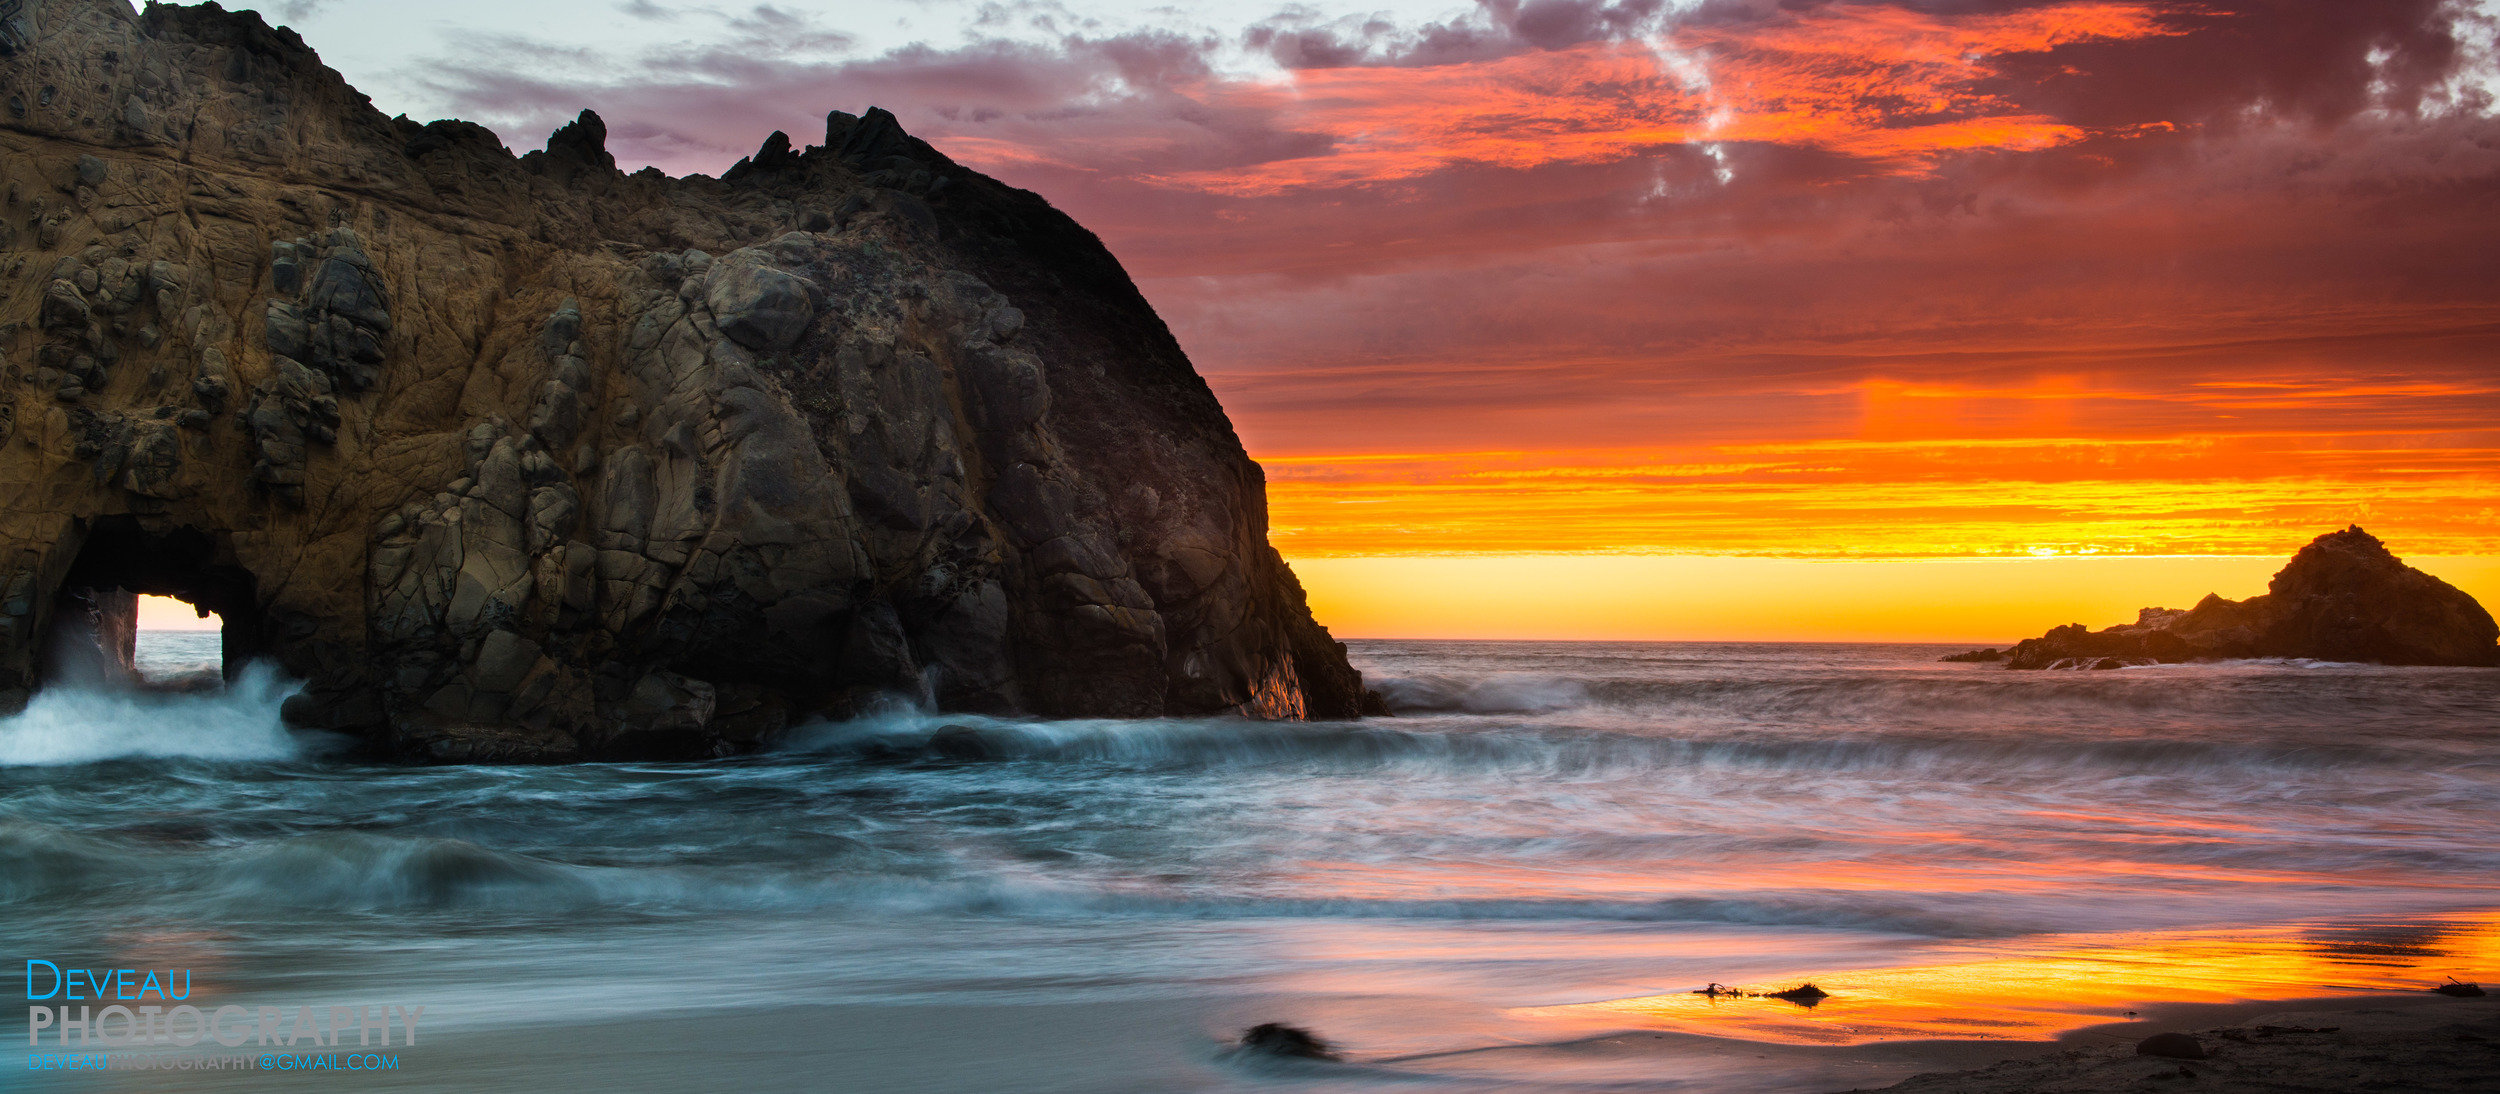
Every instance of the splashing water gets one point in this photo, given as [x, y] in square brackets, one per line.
[70, 726]
[1548, 838]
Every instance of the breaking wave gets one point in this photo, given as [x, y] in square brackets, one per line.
[239, 723]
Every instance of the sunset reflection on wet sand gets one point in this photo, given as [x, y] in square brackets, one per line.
[2037, 989]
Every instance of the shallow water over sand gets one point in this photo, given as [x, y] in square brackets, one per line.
[1554, 843]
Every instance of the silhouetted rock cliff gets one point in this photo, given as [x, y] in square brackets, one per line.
[532, 459]
[2342, 598]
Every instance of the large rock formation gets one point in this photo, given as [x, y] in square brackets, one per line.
[533, 459]
[2342, 598]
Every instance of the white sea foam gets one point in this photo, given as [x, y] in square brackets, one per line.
[74, 726]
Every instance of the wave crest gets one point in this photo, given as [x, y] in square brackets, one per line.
[1497, 693]
[351, 870]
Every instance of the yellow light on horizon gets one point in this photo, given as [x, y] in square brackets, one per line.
[1979, 601]
[164, 613]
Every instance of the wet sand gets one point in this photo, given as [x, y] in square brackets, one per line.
[2424, 1043]
[2406, 1043]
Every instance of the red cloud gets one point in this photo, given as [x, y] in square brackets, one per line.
[1884, 84]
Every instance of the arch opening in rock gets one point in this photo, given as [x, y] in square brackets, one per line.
[180, 645]
[91, 636]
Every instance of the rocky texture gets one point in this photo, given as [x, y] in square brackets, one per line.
[1290, 1042]
[98, 647]
[526, 458]
[2342, 598]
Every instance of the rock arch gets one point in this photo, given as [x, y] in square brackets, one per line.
[531, 459]
[115, 559]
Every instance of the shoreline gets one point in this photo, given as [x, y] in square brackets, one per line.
[2390, 1041]
[2091, 1058]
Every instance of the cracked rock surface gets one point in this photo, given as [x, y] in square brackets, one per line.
[531, 459]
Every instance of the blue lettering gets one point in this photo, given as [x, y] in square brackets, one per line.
[121, 985]
[57, 1061]
[30, 980]
[169, 984]
[151, 986]
[70, 984]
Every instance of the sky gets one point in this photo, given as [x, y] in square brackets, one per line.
[1637, 311]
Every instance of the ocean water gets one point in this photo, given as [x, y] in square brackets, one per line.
[180, 655]
[1515, 884]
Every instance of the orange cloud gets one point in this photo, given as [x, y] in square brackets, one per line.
[1888, 85]
[2259, 495]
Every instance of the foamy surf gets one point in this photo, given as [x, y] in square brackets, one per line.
[78, 726]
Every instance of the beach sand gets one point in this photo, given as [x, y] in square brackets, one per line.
[2408, 1043]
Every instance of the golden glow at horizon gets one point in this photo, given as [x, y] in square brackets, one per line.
[1973, 601]
[2053, 465]
[1534, 544]
[1884, 499]
[2068, 984]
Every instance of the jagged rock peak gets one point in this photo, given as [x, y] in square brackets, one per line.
[873, 136]
[529, 459]
[584, 141]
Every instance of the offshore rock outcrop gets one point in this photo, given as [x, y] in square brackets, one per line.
[2344, 597]
[528, 458]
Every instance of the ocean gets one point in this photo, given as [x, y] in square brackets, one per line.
[1515, 884]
